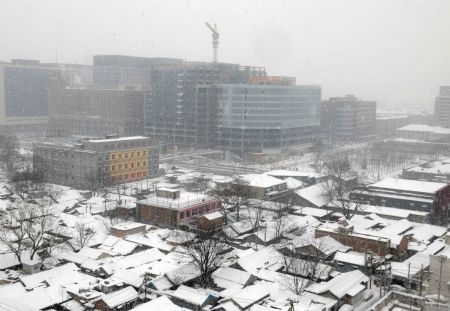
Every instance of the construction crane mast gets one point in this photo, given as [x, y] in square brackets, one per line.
[215, 40]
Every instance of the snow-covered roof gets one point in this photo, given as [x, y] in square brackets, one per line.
[341, 285]
[117, 246]
[399, 184]
[262, 180]
[424, 128]
[129, 225]
[289, 173]
[249, 295]
[212, 216]
[120, 297]
[311, 211]
[267, 258]
[186, 199]
[160, 303]
[117, 139]
[225, 277]
[313, 194]
[351, 257]
[293, 183]
[193, 296]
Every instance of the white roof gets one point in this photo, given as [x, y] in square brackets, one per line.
[262, 180]
[313, 194]
[117, 139]
[311, 211]
[120, 297]
[267, 258]
[289, 173]
[408, 185]
[226, 277]
[425, 128]
[212, 216]
[249, 295]
[293, 183]
[160, 303]
[186, 199]
[191, 295]
[127, 226]
[341, 285]
[354, 258]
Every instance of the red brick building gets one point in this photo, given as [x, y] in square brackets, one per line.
[172, 208]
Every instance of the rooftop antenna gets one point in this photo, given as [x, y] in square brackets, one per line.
[215, 40]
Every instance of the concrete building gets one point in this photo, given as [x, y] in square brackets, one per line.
[124, 71]
[95, 112]
[88, 163]
[255, 118]
[171, 207]
[183, 109]
[24, 96]
[408, 194]
[388, 123]
[348, 118]
[442, 107]
[436, 171]
[423, 132]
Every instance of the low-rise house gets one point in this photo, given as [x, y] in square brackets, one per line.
[347, 288]
[408, 194]
[161, 303]
[117, 300]
[193, 299]
[182, 208]
[243, 299]
[308, 178]
[324, 247]
[357, 241]
[352, 260]
[127, 228]
[226, 277]
[210, 222]
[312, 196]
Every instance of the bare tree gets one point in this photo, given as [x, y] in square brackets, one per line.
[339, 189]
[29, 227]
[9, 152]
[206, 252]
[255, 214]
[83, 234]
[293, 279]
[234, 194]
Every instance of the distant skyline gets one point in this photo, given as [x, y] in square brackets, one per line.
[394, 52]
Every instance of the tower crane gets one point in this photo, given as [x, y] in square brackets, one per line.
[215, 40]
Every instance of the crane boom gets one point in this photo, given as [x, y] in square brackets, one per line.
[215, 40]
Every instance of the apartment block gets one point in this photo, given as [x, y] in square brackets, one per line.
[90, 163]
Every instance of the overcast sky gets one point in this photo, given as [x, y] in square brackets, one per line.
[395, 52]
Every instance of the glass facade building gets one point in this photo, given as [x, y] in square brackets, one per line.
[256, 117]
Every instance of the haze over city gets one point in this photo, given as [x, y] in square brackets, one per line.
[394, 52]
[193, 155]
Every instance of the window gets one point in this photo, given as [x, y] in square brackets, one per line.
[194, 212]
[144, 153]
[138, 153]
[132, 154]
[113, 168]
[113, 156]
[120, 156]
[188, 213]
[126, 166]
[144, 163]
[181, 215]
[120, 166]
[139, 164]
[200, 210]
[126, 155]
[207, 208]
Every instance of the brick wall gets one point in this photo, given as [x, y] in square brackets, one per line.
[359, 244]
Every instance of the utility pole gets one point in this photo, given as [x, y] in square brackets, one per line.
[409, 282]
[442, 259]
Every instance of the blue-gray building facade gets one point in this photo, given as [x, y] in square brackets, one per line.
[252, 118]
